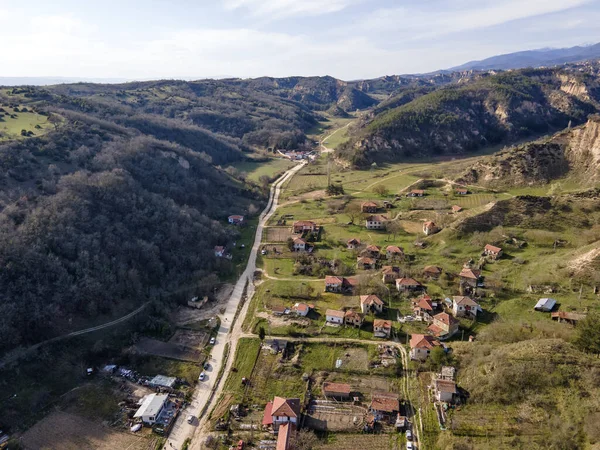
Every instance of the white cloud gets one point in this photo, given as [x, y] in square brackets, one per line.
[279, 9]
[431, 19]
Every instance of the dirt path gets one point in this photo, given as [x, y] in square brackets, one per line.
[325, 149]
[14, 357]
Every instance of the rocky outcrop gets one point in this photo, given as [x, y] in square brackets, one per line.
[574, 151]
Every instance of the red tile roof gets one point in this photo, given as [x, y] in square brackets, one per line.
[423, 341]
[370, 299]
[407, 282]
[365, 260]
[463, 300]
[470, 273]
[493, 248]
[267, 417]
[432, 269]
[429, 224]
[393, 249]
[425, 303]
[385, 401]
[354, 241]
[333, 280]
[286, 407]
[335, 313]
[445, 318]
[336, 388]
[377, 218]
[382, 323]
[284, 436]
[369, 204]
[373, 248]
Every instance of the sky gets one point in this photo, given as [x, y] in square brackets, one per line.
[347, 39]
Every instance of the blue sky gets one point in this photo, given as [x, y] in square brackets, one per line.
[348, 39]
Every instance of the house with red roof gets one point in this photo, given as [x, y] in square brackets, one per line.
[430, 228]
[300, 245]
[353, 244]
[334, 317]
[393, 252]
[492, 251]
[365, 263]
[469, 276]
[338, 391]
[384, 405]
[432, 272]
[421, 345]
[423, 308]
[444, 326]
[281, 411]
[369, 207]
[382, 328]
[408, 285]
[302, 309]
[371, 304]
[353, 319]
[376, 222]
[301, 226]
[390, 274]
[416, 193]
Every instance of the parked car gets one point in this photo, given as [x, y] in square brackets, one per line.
[212, 341]
[410, 446]
[206, 366]
[263, 252]
[409, 436]
[202, 376]
[190, 419]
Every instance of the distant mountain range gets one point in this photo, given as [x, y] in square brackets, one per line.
[533, 58]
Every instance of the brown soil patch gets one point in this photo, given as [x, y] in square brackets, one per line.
[66, 431]
[190, 338]
[223, 406]
[278, 234]
[167, 350]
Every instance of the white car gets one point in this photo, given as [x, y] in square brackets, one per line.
[212, 341]
[410, 446]
[190, 419]
[202, 376]
[409, 435]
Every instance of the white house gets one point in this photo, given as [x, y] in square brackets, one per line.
[382, 328]
[421, 345]
[299, 245]
[376, 222]
[281, 411]
[370, 303]
[464, 307]
[151, 407]
[334, 316]
[430, 228]
[301, 309]
[444, 390]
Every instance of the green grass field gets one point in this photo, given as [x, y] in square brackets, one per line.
[10, 127]
[271, 168]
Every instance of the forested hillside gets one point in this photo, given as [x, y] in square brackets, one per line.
[483, 111]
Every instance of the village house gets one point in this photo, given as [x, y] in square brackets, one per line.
[376, 222]
[334, 317]
[384, 405]
[464, 307]
[568, 317]
[353, 244]
[390, 274]
[394, 253]
[151, 407]
[365, 263]
[353, 319]
[337, 391]
[302, 309]
[372, 251]
[430, 228]
[236, 220]
[444, 390]
[492, 251]
[469, 276]
[339, 284]
[456, 209]
[444, 326]
[371, 304]
[369, 207]
[423, 308]
[300, 245]
[388, 204]
[432, 272]
[279, 310]
[461, 191]
[416, 193]
[408, 285]
[219, 251]
[382, 328]
[421, 345]
[281, 411]
[304, 225]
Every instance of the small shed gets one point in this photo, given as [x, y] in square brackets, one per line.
[545, 304]
[163, 381]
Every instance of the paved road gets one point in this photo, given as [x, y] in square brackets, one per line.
[209, 390]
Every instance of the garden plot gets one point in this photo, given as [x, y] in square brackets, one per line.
[325, 415]
[168, 350]
[278, 234]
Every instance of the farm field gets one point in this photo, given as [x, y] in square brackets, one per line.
[271, 168]
[71, 432]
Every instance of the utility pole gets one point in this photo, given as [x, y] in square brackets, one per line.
[328, 170]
